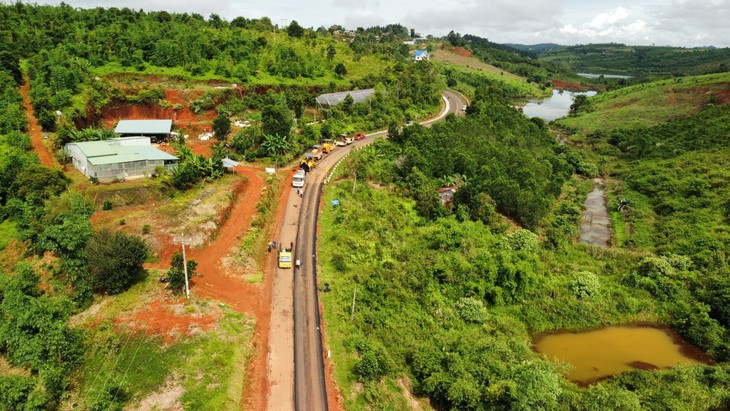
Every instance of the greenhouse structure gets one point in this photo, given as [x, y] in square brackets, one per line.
[333, 99]
[118, 158]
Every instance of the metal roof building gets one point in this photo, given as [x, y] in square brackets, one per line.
[118, 158]
[157, 129]
[332, 99]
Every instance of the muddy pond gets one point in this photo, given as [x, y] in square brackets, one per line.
[599, 354]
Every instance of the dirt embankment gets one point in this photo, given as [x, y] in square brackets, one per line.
[458, 50]
[566, 85]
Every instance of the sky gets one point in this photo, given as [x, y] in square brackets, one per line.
[685, 23]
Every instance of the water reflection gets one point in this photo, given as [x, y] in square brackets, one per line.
[556, 106]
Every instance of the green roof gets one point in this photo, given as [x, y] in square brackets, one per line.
[96, 148]
[111, 152]
[144, 127]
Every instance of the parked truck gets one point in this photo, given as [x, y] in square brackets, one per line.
[285, 257]
[298, 179]
[317, 152]
[344, 140]
[327, 146]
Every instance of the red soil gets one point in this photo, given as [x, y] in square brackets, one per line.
[564, 85]
[722, 91]
[215, 283]
[162, 317]
[458, 50]
[36, 133]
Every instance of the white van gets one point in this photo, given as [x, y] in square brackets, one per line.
[298, 180]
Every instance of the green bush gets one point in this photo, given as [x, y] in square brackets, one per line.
[585, 284]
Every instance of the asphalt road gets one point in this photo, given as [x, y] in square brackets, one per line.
[310, 392]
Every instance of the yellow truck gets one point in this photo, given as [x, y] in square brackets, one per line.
[327, 146]
[285, 258]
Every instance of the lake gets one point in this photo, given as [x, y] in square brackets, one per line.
[556, 106]
[599, 354]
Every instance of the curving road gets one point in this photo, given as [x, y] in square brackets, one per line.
[310, 391]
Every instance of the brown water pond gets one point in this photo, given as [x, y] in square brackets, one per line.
[599, 354]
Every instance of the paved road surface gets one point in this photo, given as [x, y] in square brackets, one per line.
[309, 379]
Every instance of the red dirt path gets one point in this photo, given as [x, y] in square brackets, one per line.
[251, 299]
[34, 129]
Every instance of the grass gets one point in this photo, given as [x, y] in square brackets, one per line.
[447, 61]
[336, 315]
[8, 232]
[208, 366]
[200, 205]
[646, 105]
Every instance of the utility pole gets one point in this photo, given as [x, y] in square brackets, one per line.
[182, 240]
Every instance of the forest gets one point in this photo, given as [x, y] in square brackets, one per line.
[449, 299]
[643, 61]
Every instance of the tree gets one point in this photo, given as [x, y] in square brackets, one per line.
[37, 183]
[276, 119]
[115, 260]
[222, 127]
[275, 146]
[295, 30]
[176, 273]
[331, 52]
[66, 226]
[347, 104]
[340, 70]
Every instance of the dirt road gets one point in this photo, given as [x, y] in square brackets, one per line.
[34, 129]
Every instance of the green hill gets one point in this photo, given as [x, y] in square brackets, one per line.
[650, 104]
[639, 60]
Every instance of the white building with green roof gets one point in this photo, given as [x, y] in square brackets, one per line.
[158, 130]
[118, 158]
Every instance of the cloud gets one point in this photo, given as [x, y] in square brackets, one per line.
[363, 18]
[605, 20]
[492, 18]
[613, 26]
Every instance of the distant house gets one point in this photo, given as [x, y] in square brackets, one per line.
[446, 194]
[118, 158]
[419, 55]
[157, 130]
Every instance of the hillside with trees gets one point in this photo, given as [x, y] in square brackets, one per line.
[644, 61]
[449, 299]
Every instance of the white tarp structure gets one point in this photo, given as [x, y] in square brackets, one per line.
[333, 99]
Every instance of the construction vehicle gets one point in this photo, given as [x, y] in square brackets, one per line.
[298, 179]
[327, 146]
[317, 152]
[308, 162]
[285, 257]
